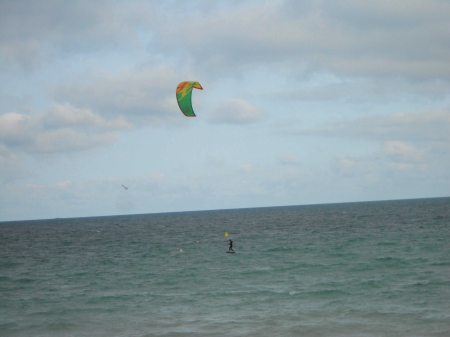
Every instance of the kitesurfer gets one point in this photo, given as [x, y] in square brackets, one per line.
[231, 246]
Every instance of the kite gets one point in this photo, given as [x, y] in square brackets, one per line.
[184, 93]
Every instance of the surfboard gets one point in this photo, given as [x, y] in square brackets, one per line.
[230, 252]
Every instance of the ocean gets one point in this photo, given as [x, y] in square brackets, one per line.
[352, 269]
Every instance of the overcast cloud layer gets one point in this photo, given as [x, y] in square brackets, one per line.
[303, 102]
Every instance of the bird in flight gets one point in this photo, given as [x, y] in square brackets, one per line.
[125, 187]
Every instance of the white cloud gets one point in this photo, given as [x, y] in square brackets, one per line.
[403, 151]
[348, 164]
[246, 168]
[68, 115]
[408, 141]
[65, 140]
[61, 128]
[423, 126]
[236, 111]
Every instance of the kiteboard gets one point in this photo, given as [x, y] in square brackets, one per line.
[230, 252]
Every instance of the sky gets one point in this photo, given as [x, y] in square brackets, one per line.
[304, 102]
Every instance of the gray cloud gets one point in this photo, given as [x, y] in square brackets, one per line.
[348, 38]
[31, 31]
[139, 94]
[390, 43]
[383, 39]
[369, 91]
[10, 166]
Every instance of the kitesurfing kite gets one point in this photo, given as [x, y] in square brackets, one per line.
[184, 93]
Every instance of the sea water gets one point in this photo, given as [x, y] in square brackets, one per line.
[355, 269]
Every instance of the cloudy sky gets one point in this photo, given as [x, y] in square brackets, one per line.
[304, 102]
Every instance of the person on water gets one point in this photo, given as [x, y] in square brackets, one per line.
[231, 247]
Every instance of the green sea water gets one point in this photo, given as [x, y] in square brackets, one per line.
[355, 269]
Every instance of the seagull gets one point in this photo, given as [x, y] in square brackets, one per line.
[125, 187]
